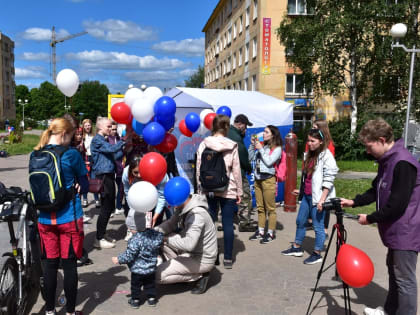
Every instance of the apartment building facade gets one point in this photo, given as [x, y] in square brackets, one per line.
[242, 52]
[7, 78]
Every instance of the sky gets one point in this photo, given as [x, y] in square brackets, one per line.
[157, 43]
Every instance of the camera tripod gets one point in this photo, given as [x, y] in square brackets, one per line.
[341, 239]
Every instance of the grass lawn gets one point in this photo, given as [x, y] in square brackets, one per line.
[355, 166]
[25, 147]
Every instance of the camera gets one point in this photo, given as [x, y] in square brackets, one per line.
[332, 204]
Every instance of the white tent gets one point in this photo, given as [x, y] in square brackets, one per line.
[261, 110]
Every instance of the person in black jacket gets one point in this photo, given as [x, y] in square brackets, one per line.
[237, 133]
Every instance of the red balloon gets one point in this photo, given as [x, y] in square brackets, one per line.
[168, 144]
[354, 266]
[152, 167]
[184, 129]
[208, 120]
[121, 113]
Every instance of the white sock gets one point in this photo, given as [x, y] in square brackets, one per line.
[261, 230]
[270, 232]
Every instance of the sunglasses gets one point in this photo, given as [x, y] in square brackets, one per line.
[319, 132]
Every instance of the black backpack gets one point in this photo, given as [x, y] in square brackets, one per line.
[48, 190]
[213, 176]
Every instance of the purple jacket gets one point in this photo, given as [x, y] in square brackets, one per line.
[404, 233]
[118, 163]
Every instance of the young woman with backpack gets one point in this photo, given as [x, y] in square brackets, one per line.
[225, 153]
[61, 232]
[265, 157]
[317, 187]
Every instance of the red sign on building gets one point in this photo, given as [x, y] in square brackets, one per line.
[266, 46]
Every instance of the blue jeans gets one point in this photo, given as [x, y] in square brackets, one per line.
[228, 207]
[307, 210]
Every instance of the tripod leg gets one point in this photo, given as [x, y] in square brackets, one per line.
[347, 306]
[320, 269]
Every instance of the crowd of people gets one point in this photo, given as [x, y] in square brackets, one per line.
[184, 247]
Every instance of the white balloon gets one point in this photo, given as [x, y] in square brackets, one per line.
[142, 109]
[67, 82]
[142, 196]
[204, 113]
[132, 95]
[153, 93]
[202, 130]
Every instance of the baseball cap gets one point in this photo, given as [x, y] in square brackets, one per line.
[241, 118]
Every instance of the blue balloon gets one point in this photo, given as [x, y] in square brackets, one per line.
[176, 191]
[165, 107]
[192, 120]
[166, 123]
[137, 127]
[153, 133]
[224, 110]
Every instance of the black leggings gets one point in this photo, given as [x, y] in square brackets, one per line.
[70, 282]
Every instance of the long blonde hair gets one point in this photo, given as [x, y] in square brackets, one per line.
[83, 126]
[58, 125]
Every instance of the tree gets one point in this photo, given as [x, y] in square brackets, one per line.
[345, 45]
[196, 80]
[91, 99]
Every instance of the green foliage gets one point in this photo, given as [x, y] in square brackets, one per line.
[24, 147]
[196, 80]
[91, 100]
[349, 188]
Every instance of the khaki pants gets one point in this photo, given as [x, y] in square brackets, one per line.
[265, 195]
[180, 268]
[245, 207]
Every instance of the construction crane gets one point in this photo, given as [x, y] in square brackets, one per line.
[53, 43]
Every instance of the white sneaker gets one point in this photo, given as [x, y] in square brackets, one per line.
[119, 211]
[97, 203]
[112, 215]
[110, 239]
[103, 244]
[86, 218]
[374, 311]
[84, 203]
[128, 236]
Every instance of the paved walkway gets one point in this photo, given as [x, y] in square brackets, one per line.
[262, 281]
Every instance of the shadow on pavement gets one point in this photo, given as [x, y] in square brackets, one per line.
[97, 287]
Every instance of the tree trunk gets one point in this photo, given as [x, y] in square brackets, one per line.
[353, 94]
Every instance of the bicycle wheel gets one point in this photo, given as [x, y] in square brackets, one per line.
[8, 286]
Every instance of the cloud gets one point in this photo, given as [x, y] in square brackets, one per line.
[120, 60]
[30, 56]
[118, 31]
[36, 33]
[188, 47]
[29, 73]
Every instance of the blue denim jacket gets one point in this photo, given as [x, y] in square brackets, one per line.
[142, 251]
[104, 154]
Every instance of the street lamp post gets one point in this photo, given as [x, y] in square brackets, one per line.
[23, 103]
[399, 31]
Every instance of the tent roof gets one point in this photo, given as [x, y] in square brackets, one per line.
[260, 108]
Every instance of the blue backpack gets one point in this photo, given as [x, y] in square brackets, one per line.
[48, 190]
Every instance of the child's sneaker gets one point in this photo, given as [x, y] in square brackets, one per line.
[293, 251]
[268, 238]
[313, 259]
[151, 301]
[134, 303]
[257, 236]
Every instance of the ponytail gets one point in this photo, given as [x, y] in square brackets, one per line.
[57, 126]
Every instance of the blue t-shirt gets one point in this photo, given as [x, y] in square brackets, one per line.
[72, 166]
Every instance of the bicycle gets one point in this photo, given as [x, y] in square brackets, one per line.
[20, 270]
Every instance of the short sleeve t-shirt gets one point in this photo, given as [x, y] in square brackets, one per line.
[72, 166]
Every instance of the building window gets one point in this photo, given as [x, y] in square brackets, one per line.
[255, 10]
[246, 52]
[294, 85]
[229, 36]
[234, 62]
[297, 7]
[254, 48]
[247, 18]
[240, 24]
[240, 57]
[224, 41]
[246, 84]
[238, 85]
[234, 30]
[217, 47]
[224, 67]
[7, 76]
[254, 82]
[235, 3]
[229, 63]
